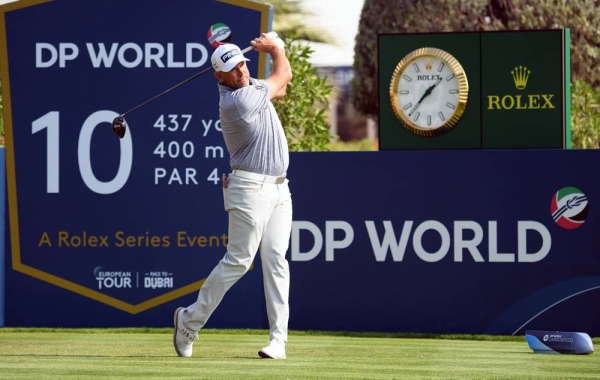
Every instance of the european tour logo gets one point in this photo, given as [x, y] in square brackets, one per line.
[520, 76]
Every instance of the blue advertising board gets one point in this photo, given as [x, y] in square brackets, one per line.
[416, 241]
[446, 241]
[135, 222]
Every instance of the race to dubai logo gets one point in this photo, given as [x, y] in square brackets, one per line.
[569, 207]
[218, 34]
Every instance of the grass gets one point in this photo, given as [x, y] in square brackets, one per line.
[42, 354]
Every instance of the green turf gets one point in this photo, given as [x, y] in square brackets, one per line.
[41, 354]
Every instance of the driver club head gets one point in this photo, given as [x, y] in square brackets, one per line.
[119, 126]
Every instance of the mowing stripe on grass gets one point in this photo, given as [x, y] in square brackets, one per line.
[43, 354]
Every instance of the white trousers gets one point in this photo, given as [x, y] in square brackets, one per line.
[260, 217]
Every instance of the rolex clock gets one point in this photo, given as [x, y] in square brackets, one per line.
[429, 91]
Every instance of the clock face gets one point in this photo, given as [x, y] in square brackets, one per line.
[429, 91]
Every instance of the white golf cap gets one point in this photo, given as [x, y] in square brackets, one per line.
[226, 57]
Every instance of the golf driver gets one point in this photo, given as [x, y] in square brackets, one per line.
[119, 126]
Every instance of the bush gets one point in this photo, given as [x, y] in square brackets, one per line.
[302, 109]
[585, 116]
[352, 146]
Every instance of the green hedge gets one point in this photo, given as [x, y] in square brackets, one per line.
[585, 116]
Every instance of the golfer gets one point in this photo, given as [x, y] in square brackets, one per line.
[256, 194]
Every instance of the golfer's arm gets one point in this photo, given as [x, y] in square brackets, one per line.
[280, 75]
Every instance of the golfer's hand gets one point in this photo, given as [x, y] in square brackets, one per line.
[225, 181]
[267, 44]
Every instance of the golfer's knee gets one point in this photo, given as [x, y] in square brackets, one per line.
[238, 261]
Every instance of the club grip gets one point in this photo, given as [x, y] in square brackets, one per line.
[273, 34]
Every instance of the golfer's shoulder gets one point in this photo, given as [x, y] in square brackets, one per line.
[251, 95]
[257, 87]
[259, 84]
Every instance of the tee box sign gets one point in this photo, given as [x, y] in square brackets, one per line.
[474, 90]
[135, 222]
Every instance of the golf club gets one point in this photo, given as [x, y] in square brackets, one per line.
[119, 126]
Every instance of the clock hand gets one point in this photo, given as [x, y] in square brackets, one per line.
[426, 94]
[435, 84]
[415, 107]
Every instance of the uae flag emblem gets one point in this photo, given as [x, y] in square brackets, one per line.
[218, 34]
[569, 207]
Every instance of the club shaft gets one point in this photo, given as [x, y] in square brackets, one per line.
[177, 85]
